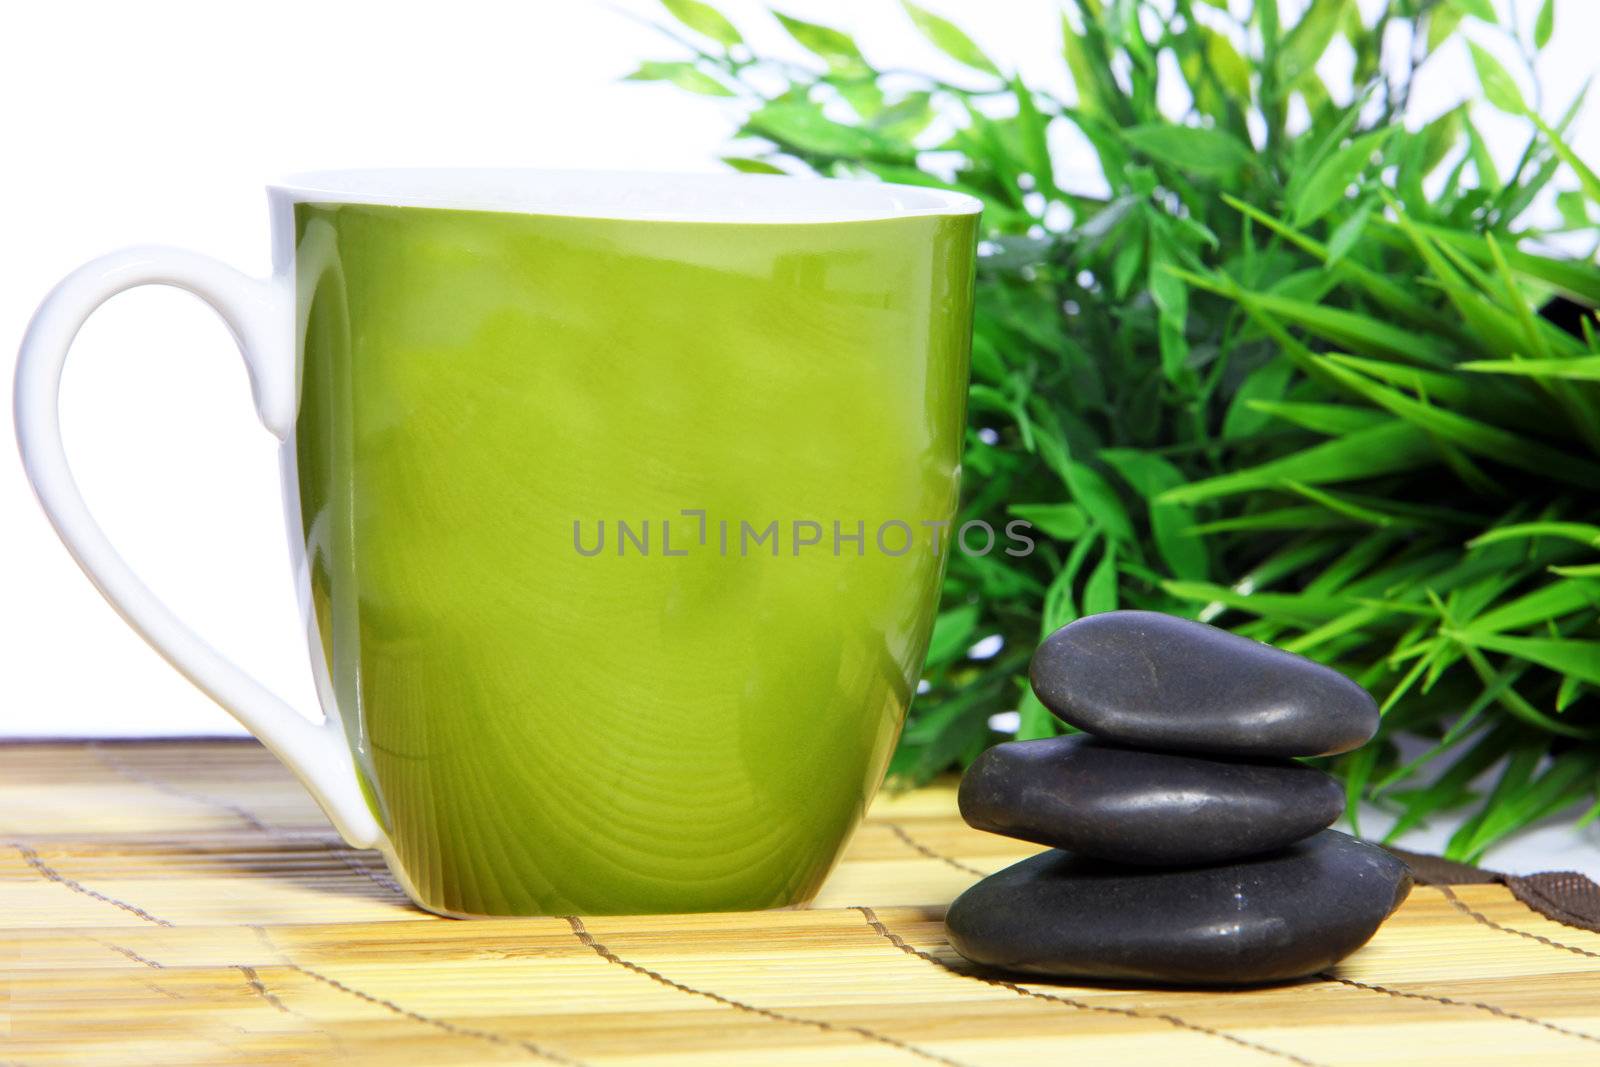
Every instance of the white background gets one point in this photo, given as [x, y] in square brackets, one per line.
[160, 121]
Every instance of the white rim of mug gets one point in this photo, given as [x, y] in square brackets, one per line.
[688, 197]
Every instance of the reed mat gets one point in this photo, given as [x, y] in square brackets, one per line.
[184, 902]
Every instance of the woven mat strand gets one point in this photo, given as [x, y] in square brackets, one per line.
[181, 903]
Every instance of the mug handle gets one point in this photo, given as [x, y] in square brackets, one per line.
[259, 314]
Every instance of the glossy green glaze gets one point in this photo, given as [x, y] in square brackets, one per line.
[544, 731]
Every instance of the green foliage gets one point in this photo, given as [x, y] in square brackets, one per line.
[1277, 364]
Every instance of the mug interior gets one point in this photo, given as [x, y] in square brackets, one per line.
[705, 198]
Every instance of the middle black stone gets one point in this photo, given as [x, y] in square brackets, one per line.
[1129, 805]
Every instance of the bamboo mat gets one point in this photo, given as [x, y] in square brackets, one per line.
[173, 903]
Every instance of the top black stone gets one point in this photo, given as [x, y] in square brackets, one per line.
[1157, 681]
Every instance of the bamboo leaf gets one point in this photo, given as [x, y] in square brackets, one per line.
[1095, 495]
[1568, 779]
[1588, 178]
[683, 75]
[1545, 604]
[1308, 517]
[1580, 369]
[801, 126]
[1518, 707]
[836, 48]
[1452, 787]
[1482, 159]
[1225, 62]
[1310, 38]
[1343, 506]
[1516, 773]
[1457, 734]
[1331, 419]
[1581, 532]
[1383, 290]
[1334, 175]
[1480, 9]
[1264, 385]
[1439, 386]
[1544, 24]
[704, 19]
[1059, 608]
[1092, 78]
[1349, 231]
[1574, 209]
[1383, 449]
[1499, 88]
[1064, 522]
[1171, 297]
[1472, 435]
[1575, 278]
[1034, 135]
[959, 726]
[1442, 22]
[747, 165]
[1150, 475]
[1358, 767]
[949, 39]
[1100, 594]
[1439, 137]
[1191, 149]
[1288, 607]
[1349, 329]
[953, 633]
[1579, 659]
[1034, 721]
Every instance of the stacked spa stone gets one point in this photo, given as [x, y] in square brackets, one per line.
[1189, 846]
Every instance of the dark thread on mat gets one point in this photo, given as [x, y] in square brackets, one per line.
[261, 989]
[600, 949]
[145, 961]
[1484, 920]
[76, 886]
[244, 814]
[900, 943]
[38, 864]
[917, 846]
[257, 986]
[250, 976]
[123, 950]
[132, 773]
[416, 1016]
[1492, 1009]
[164, 991]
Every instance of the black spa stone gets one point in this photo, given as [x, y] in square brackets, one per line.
[1278, 917]
[1101, 799]
[1157, 681]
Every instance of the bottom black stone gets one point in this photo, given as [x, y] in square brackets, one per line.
[1272, 918]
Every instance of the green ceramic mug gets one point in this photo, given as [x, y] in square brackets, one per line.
[618, 505]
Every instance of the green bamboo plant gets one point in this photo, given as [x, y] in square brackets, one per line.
[1295, 365]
